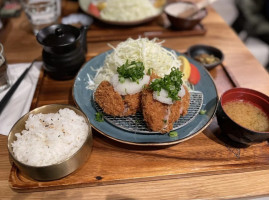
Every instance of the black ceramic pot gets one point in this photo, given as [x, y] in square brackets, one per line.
[64, 48]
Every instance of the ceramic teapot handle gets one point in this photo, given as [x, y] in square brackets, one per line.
[83, 32]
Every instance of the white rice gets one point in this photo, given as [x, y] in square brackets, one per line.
[50, 138]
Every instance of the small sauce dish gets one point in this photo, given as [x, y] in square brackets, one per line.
[208, 56]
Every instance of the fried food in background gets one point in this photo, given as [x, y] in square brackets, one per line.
[160, 117]
[113, 103]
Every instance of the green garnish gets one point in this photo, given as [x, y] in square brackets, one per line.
[134, 71]
[137, 121]
[173, 134]
[122, 80]
[149, 71]
[171, 83]
[99, 117]
[202, 112]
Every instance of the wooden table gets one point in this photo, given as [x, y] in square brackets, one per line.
[240, 69]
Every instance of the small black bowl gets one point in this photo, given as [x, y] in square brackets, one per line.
[196, 50]
[240, 135]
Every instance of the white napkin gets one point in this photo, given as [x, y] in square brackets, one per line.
[20, 102]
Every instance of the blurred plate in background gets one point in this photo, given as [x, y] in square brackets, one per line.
[91, 7]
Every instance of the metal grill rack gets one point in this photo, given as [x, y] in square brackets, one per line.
[136, 124]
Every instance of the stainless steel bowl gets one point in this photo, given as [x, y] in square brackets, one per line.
[58, 170]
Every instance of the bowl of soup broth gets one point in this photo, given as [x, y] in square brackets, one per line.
[243, 115]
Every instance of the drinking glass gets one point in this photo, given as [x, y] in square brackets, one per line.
[42, 13]
[4, 79]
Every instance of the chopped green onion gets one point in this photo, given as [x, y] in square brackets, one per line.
[122, 80]
[99, 117]
[173, 134]
[202, 112]
[137, 121]
[134, 71]
[149, 71]
[171, 83]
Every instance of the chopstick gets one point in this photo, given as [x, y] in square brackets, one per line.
[11, 91]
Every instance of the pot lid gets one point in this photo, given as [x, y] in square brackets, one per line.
[58, 35]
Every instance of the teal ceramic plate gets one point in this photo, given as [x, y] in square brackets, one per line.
[84, 100]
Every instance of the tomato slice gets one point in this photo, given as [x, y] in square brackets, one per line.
[195, 75]
[93, 10]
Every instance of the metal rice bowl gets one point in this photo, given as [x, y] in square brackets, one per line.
[58, 170]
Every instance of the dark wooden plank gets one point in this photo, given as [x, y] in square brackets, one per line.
[102, 32]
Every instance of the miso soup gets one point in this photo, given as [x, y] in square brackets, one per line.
[247, 115]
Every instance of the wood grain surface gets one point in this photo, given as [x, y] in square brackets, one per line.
[204, 167]
[114, 163]
[157, 28]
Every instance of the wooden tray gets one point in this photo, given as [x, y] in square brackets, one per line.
[103, 32]
[112, 162]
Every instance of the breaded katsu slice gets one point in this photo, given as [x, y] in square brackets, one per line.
[185, 102]
[122, 95]
[115, 104]
[160, 117]
[164, 101]
[110, 101]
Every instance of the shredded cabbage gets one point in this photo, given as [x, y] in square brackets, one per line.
[150, 52]
[128, 10]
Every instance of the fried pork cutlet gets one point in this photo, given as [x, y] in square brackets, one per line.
[160, 117]
[113, 103]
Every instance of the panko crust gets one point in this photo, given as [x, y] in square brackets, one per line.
[155, 113]
[132, 103]
[185, 102]
[110, 101]
[113, 103]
